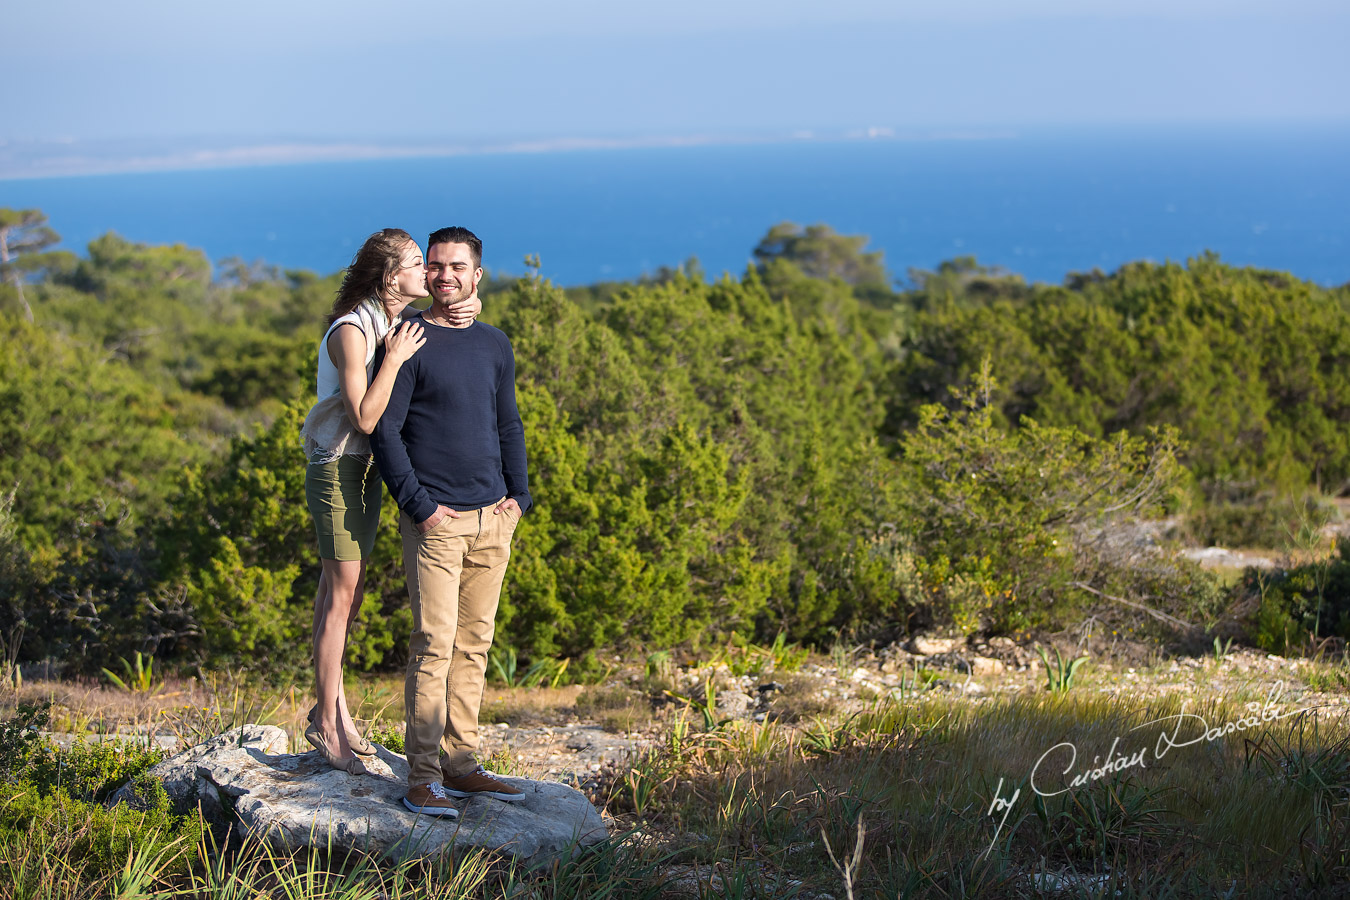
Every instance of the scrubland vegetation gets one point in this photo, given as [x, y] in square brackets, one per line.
[800, 449]
[808, 452]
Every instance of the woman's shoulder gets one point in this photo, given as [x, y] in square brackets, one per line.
[339, 325]
[368, 318]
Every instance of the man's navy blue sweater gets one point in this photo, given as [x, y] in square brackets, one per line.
[451, 433]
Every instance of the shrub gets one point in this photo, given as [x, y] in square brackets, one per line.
[92, 770]
[21, 740]
[1307, 600]
[1002, 521]
[96, 838]
[53, 804]
[1264, 520]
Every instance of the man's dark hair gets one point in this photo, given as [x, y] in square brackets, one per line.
[457, 235]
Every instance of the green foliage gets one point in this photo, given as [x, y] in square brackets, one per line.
[54, 798]
[705, 705]
[90, 463]
[1306, 758]
[390, 737]
[1059, 677]
[963, 282]
[140, 675]
[1253, 519]
[88, 440]
[1097, 821]
[679, 477]
[1249, 366]
[24, 234]
[502, 664]
[744, 658]
[21, 740]
[775, 457]
[95, 840]
[92, 770]
[1307, 600]
[236, 540]
[246, 369]
[821, 253]
[1003, 517]
[786, 657]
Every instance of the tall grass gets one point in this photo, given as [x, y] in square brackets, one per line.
[896, 801]
[914, 785]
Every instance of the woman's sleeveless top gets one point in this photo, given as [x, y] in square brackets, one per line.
[328, 433]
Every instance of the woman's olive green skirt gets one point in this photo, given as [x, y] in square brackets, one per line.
[344, 498]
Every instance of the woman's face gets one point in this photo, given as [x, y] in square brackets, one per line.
[411, 278]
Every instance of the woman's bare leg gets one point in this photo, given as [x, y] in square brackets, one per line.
[333, 610]
[346, 717]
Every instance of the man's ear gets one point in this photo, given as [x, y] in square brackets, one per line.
[477, 277]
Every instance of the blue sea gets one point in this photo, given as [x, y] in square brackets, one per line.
[1040, 204]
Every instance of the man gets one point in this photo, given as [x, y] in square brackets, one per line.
[451, 448]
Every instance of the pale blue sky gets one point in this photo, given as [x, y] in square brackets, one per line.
[399, 73]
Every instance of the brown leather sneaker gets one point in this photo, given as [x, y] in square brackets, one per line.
[430, 799]
[480, 783]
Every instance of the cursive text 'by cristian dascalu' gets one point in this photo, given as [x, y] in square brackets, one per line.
[1051, 775]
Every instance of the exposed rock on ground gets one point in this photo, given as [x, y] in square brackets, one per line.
[1212, 557]
[926, 645]
[246, 777]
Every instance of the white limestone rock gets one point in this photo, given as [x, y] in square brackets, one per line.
[735, 704]
[926, 645]
[297, 800]
[986, 665]
[179, 775]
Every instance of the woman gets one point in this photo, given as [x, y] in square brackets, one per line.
[342, 488]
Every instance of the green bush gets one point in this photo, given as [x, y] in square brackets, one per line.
[1002, 521]
[53, 800]
[22, 741]
[88, 770]
[389, 736]
[1265, 520]
[1250, 366]
[779, 453]
[92, 770]
[1308, 600]
[94, 838]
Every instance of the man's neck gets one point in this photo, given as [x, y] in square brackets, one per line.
[437, 316]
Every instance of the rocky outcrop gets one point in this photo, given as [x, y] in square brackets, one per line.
[245, 777]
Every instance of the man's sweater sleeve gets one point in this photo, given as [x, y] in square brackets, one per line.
[511, 434]
[391, 454]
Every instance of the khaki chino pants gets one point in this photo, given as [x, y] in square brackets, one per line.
[455, 574]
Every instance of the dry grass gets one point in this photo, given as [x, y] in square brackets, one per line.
[528, 706]
[89, 707]
[616, 709]
[898, 800]
[799, 700]
[1266, 808]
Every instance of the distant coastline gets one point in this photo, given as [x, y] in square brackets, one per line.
[25, 160]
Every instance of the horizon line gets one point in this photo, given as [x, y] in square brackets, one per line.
[262, 154]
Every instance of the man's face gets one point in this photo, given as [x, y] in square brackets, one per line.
[451, 274]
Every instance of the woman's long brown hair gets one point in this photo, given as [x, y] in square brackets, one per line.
[379, 258]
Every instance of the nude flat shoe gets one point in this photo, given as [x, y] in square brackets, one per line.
[359, 744]
[353, 766]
